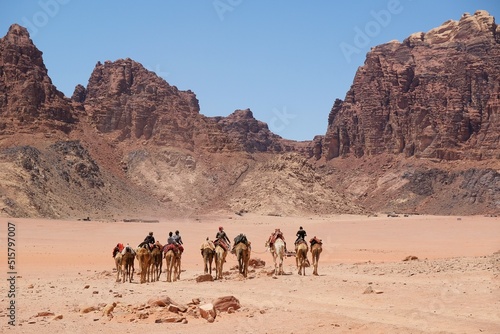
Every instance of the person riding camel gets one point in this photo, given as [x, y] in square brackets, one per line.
[118, 248]
[240, 238]
[277, 234]
[178, 240]
[222, 239]
[301, 237]
[128, 249]
[207, 244]
[171, 243]
[149, 240]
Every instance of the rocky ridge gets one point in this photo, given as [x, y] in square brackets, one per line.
[435, 95]
[129, 144]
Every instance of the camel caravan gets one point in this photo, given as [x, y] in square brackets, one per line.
[150, 255]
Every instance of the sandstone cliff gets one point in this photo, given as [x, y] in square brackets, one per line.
[435, 95]
[28, 99]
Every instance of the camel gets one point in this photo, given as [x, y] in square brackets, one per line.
[316, 251]
[156, 262]
[118, 264]
[242, 252]
[220, 258]
[207, 251]
[301, 258]
[278, 252]
[172, 260]
[144, 258]
[127, 265]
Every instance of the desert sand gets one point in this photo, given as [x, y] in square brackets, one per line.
[66, 267]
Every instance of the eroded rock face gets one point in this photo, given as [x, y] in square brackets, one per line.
[435, 95]
[28, 99]
[125, 98]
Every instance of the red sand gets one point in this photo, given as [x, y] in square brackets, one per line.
[453, 287]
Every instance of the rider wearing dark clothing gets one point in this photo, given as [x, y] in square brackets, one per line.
[222, 236]
[149, 239]
[301, 235]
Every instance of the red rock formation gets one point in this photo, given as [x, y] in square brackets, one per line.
[124, 98]
[28, 99]
[436, 95]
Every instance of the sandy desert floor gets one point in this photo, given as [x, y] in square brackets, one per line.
[65, 268]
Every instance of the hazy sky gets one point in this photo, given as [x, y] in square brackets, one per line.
[286, 60]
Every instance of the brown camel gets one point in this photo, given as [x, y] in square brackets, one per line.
[207, 251]
[316, 251]
[242, 252]
[118, 264]
[144, 257]
[301, 258]
[220, 258]
[156, 262]
[127, 265]
[172, 261]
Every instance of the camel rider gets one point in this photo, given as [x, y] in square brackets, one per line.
[301, 234]
[240, 238]
[148, 240]
[171, 239]
[178, 240]
[128, 249]
[222, 238]
[177, 237]
[118, 248]
[207, 244]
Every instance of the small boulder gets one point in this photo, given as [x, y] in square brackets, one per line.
[204, 278]
[207, 311]
[222, 304]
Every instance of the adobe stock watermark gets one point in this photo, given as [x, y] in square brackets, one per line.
[48, 9]
[158, 71]
[363, 35]
[280, 119]
[223, 6]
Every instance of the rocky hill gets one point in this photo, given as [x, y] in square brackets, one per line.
[435, 95]
[130, 145]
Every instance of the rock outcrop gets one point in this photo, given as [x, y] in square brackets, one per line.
[28, 99]
[125, 99]
[435, 95]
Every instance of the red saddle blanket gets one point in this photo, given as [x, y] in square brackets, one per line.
[175, 248]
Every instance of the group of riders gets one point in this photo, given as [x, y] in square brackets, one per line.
[301, 238]
[174, 241]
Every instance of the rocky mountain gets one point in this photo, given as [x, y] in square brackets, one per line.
[434, 95]
[28, 99]
[130, 145]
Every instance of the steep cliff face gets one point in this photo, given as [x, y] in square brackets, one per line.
[28, 99]
[125, 99]
[435, 95]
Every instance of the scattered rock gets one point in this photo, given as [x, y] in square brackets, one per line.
[204, 278]
[44, 314]
[207, 311]
[257, 263]
[410, 258]
[88, 309]
[222, 304]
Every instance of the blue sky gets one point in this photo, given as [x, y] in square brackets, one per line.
[286, 60]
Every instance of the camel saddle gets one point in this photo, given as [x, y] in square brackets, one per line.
[315, 240]
[274, 236]
[221, 243]
[173, 247]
